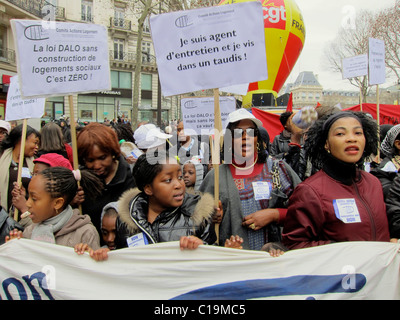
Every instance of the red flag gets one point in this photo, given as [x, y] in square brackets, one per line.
[289, 107]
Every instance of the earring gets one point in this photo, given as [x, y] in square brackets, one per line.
[258, 147]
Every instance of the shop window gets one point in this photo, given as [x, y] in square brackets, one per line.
[121, 80]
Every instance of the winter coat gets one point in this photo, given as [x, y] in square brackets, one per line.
[193, 217]
[393, 208]
[311, 219]
[385, 172]
[79, 229]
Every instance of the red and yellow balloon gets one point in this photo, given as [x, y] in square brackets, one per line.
[284, 40]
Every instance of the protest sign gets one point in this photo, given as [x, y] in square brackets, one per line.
[355, 66]
[198, 113]
[18, 108]
[377, 66]
[209, 48]
[349, 270]
[61, 58]
[22, 109]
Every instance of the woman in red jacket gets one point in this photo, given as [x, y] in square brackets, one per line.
[341, 202]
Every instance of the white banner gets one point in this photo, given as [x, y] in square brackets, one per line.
[198, 113]
[349, 270]
[18, 108]
[210, 47]
[61, 58]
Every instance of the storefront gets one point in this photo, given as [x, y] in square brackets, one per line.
[106, 105]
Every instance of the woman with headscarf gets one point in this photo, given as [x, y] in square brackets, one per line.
[340, 202]
[389, 167]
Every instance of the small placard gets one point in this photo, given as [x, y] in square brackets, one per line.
[262, 190]
[137, 240]
[346, 210]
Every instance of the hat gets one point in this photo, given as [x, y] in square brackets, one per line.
[149, 136]
[243, 114]
[5, 125]
[54, 160]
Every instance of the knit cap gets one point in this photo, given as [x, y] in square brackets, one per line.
[54, 160]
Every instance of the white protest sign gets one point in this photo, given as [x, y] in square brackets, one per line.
[65, 59]
[355, 66]
[198, 113]
[210, 47]
[18, 108]
[377, 67]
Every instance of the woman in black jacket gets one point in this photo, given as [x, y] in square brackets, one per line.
[393, 208]
[99, 151]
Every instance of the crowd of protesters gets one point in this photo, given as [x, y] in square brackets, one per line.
[331, 182]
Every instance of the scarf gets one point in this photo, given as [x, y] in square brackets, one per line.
[45, 230]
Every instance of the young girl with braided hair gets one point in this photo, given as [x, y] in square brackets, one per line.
[159, 210]
[50, 194]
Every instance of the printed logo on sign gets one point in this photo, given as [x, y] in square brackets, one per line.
[182, 22]
[274, 14]
[36, 33]
[190, 104]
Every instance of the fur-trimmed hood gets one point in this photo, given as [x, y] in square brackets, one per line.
[197, 207]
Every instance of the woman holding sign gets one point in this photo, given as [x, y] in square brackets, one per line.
[340, 202]
[254, 189]
[10, 159]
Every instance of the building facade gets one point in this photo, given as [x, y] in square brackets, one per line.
[120, 18]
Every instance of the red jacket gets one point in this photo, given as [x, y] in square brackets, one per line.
[311, 218]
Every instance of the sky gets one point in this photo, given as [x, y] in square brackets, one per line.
[323, 20]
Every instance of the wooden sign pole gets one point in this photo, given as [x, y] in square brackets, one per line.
[378, 120]
[21, 160]
[216, 146]
[73, 137]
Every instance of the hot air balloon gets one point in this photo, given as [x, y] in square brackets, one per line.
[284, 40]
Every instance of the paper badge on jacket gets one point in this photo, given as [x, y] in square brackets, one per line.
[262, 190]
[137, 240]
[346, 210]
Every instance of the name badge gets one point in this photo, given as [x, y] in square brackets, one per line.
[137, 240]
[26, 173]
[262, 190]
[346, 210]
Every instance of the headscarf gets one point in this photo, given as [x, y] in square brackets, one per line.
[387, 146]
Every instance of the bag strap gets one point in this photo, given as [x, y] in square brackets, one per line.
[276, 180]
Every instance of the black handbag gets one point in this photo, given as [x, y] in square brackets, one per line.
[7, 224]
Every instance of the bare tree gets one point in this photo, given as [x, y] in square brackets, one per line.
[387, 28]
[352, 42]
[147, 7]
